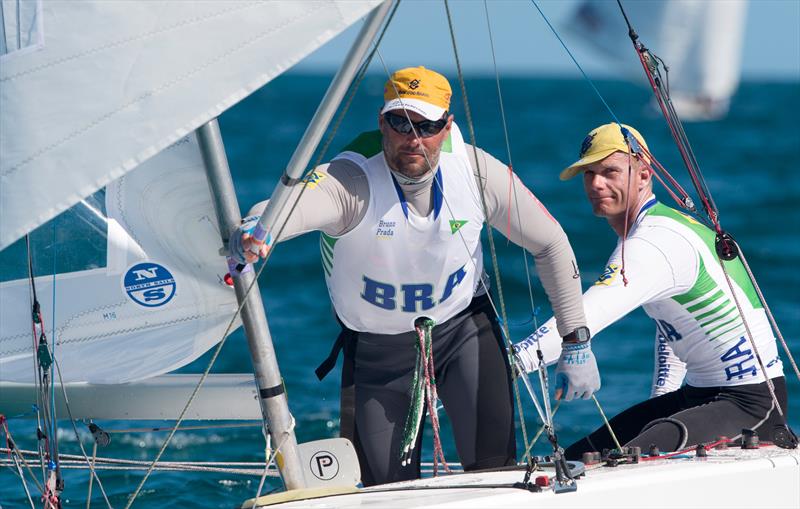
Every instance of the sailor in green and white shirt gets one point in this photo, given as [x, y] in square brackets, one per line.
[671, 270]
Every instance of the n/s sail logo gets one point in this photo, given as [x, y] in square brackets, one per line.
[149, 284]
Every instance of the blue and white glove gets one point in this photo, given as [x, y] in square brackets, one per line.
[576, 374]
[235, 248]
[237, 252]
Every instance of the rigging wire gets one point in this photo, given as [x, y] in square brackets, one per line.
[78, 436]
[513, 182]
[481, 186]
[726, 247]
[232, 321]
[575, 61]
[606, 422]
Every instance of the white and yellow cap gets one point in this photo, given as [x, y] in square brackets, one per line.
[419, 90]
[600, 143]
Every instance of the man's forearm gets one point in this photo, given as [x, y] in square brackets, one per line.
[517, 213]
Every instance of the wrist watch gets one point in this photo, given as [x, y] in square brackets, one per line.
[579, 335]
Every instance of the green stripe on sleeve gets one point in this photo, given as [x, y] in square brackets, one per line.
[706, 302]
[720, 317]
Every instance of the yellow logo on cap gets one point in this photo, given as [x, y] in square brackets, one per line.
[419, 83]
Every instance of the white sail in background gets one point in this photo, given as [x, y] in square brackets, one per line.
[94, 88]
[699, 40]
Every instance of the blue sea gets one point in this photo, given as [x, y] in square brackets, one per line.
[749, 159]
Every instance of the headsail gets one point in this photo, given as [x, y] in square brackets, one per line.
[152, 299]
[110, 87]
[701, 41]
[114, 83]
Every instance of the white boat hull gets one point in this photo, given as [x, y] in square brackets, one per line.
[767, 477]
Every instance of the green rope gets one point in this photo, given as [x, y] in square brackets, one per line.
[417, 406]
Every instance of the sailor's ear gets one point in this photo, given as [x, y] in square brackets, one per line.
[381, 122]
[449, 123]
[645, 175]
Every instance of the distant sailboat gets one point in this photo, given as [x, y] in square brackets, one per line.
[701, 42]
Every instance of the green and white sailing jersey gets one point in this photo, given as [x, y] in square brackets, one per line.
[674, 274]
[396, 266]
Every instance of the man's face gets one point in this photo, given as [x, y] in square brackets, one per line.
[406, 153]
[606, 184]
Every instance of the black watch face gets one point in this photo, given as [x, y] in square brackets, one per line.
[579, 335]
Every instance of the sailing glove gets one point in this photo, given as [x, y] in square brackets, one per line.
[236, 249]
[576, 374]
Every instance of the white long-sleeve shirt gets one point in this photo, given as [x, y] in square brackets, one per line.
[674, 274]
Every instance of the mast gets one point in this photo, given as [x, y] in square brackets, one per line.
[322, 117]
[272, 395]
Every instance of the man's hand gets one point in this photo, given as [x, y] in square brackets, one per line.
[576, 374]
[243, 248]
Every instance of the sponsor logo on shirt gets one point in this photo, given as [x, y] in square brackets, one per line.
[385, 229]
[313, 178]
[608, 275]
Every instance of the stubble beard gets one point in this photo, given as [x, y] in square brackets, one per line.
[413, 170]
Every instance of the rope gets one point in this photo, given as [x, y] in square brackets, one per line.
[425, 336]
[423, 389]
[541, 430]
[269, 458]
[769, 312]
[21, 475]
[606, 422]
[91, 475]
[196, 389]
[14, 450]
[687, 154]
[752, 340]
[78, 461]
[14, 454]
[78, 436]
[586, 76]
[493, 252]
[627, 213]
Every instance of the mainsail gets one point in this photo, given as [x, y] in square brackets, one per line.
[90, 90]
[701, 41]
[114, 83]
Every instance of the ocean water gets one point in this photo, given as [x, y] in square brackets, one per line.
[749, 160]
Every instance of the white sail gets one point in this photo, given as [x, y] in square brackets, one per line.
[99, 87]
[157, 302]
[90, 90]
[700, 41]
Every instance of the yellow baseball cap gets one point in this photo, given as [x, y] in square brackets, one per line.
[599, 144]
[419, 90]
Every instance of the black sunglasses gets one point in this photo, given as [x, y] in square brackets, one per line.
[425, 128]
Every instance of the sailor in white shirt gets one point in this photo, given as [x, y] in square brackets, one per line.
[400, 213]
[665, 262]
